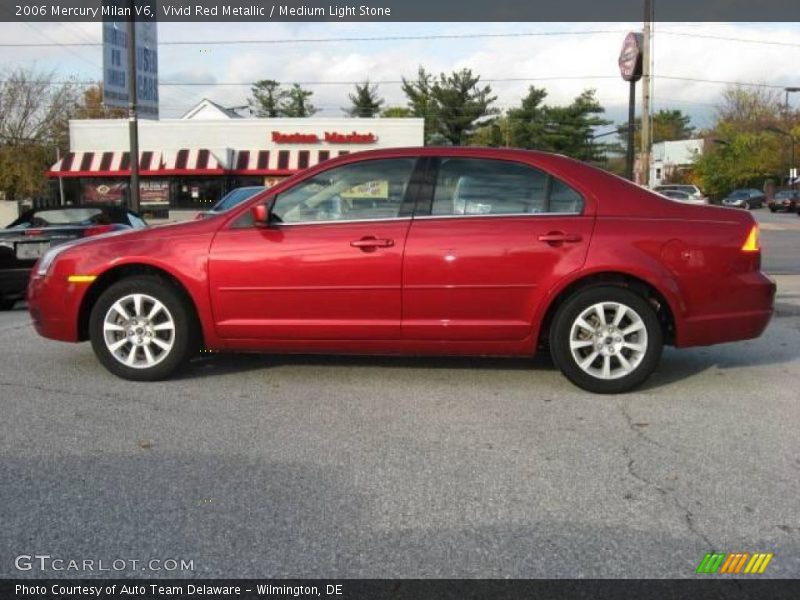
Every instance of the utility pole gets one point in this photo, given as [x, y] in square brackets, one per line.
[133, 122]
[646, 130]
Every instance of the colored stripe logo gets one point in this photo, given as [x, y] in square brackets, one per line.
[738, 562]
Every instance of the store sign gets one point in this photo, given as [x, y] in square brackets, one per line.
[115, 66]
[630, 58]
[104, 193]
[331, 137]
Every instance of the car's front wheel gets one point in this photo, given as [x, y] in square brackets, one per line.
[606, 340]
[142, 329]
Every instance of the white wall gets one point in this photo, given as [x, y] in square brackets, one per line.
[246, 134]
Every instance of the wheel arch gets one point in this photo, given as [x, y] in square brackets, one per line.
[659, 299]
[124, 271]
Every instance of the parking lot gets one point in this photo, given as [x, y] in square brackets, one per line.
[256, 466]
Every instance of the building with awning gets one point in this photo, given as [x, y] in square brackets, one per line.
[189, 163]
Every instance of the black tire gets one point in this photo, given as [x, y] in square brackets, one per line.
[746, 205]
[185, 337]
[7, 303]
[771, 209]
[561, 330]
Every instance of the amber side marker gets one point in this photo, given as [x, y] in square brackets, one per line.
[751, 243]
[81, 278]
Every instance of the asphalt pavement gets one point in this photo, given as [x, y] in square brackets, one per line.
[263, 466]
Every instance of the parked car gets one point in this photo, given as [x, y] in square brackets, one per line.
[35, 231]
[691, 190]
[785, 201]
[683, 197]
[464, 251]
[231, 199]
[745, 198]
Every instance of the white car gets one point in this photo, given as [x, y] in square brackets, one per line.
[692, 191]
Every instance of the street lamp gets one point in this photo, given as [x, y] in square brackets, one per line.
[793, 140]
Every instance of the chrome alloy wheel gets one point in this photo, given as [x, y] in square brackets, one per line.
[139, 331]
[608, 340]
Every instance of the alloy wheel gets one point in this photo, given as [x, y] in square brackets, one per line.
[608, 340]
[139, 331]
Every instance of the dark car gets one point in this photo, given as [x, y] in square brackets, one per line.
[467, 251]
[745, 198]
[785, 201]
[231, 199]
[27, 238]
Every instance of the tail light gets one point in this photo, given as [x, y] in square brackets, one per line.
[33, 232]
[751, 243]
[97, 230]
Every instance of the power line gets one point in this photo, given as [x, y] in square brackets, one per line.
[391, 38]
[709, 36]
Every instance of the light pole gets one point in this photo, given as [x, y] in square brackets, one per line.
[792, 141]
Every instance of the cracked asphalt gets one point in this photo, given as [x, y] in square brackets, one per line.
[372, 467]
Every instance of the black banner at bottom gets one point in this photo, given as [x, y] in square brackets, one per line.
[399, 589]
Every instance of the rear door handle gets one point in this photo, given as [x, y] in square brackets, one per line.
[370, 243]
[559, 237]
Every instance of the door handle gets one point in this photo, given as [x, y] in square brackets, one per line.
[370, 243]
[559, 237]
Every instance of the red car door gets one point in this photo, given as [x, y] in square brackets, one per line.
[328, 268]
[497, 234]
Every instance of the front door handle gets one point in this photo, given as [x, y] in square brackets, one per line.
[555, 238]
[370, 243]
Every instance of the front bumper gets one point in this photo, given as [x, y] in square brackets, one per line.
[54, 306]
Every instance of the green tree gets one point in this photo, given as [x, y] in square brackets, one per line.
[527, 122]
[267, 96]
[397, 112]
[297, 103]
[668, 124]
[365, 101]
[419, 93]
[742, 151]
[450, 104]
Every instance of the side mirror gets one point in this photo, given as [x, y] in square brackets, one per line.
[260, 213]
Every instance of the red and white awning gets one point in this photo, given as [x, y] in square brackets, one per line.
[117, 164]
[276, 162]
[104, 164]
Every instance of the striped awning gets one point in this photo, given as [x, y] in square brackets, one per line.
[117, 164]
[276, 162]
[108, 164]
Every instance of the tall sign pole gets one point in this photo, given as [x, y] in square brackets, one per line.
[133, 120]
[646, 130]
[130, 78]
[630, 67]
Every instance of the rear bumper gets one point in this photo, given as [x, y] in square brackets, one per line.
[746, 319]
[54, 304]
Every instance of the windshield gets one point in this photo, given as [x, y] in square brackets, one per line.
[786, 194]
[63, 216]
[235, 197]
[740, 194]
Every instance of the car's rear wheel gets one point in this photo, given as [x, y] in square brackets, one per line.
[142, 329]
[746, 205]
[606, 340]
[7, 303]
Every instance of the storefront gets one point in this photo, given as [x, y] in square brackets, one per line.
[190, 163]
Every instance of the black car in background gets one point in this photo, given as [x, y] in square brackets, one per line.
[745, 198]
[26, 239]
[785, 200]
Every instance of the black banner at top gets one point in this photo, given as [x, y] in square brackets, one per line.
[397, 10]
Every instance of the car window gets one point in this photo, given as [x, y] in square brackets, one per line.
[468, 186]
[235, 197]
[367, 190]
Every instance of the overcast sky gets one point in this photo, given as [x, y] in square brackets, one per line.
[586, 59]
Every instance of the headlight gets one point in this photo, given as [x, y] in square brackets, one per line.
[49, 257]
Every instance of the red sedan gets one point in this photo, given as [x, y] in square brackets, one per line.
[462, 251]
